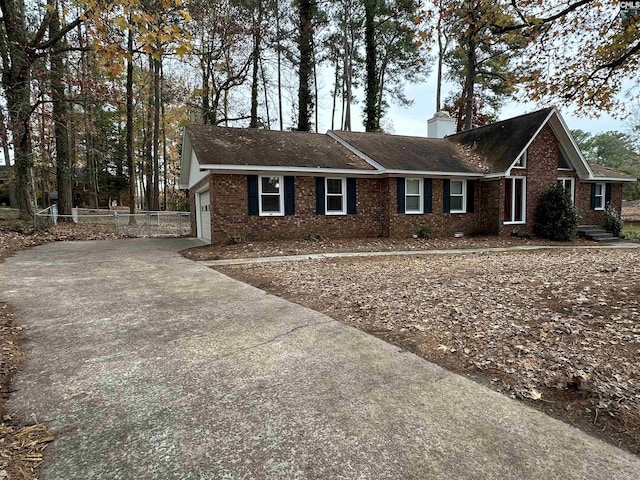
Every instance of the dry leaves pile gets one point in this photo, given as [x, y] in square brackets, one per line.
[21, 450]
[20, 447]
[631, 211]
[12, 241]
[301, 247]
[561, 327]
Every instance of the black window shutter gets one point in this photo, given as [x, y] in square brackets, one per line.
[471, 187]
[446, 196]
[593, 196]
[607, 194]
[428, 195]
[252, 189]
[320, 195]
[289, 196]
[400, 192]
[351, 196]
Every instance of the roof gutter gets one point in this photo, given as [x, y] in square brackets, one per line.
[335, 171]
[313, 170]
[433, 174]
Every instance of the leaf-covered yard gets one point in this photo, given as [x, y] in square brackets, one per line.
[558, 329]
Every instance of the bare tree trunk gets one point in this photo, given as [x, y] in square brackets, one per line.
[4, 140]
[156, 135]
[306, 11]
[130, 138]
[372, 118]
[148, 143]
[279, 52]
[205, 63]
[315, 84]
[257, 33]
[164, 140]
[440, 58]
[469, 84]
[60, 112]
[17, 83]
[266, 96]
[349, 48]
[336, 79]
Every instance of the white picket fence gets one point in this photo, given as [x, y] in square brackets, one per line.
[141, 224]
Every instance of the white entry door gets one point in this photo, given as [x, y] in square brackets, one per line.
[205, 216]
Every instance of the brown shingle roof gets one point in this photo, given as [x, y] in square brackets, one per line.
[501, 143]
[269, 148]
[606, 172]
[397, 152]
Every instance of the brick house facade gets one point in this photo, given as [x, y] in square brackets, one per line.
[263, 185]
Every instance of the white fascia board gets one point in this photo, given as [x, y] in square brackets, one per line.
[610, 179]
[573, 142]
[355, 151]
[490, 176]
[533, 137]
[185, 161]
[196, 172]
[281, 169]
[401, 173]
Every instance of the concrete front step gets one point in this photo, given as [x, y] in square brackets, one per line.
[596, 233]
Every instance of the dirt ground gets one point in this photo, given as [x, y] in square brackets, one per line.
[301, 247]
[559, 330]
[631, 211]
[22, 446]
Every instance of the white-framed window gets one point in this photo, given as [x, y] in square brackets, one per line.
[458, 196]
[335, 196]
[568, 184]
[413, 191]
[599, 196]
[521, 161]
[515, 200]
[563, 163]
[271, 196]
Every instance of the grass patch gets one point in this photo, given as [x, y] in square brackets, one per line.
[631, 231]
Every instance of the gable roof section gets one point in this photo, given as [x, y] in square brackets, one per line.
[408, 154]
[605, 173]
[501, 143]
[484, 151]
[221, 146]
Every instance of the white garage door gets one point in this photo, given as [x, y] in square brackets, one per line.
[205, 215]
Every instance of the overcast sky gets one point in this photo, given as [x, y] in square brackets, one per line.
[413, 120]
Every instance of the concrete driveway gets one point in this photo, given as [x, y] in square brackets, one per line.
[147, 365]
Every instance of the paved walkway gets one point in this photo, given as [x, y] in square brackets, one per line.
[149, 366]
[318, 256]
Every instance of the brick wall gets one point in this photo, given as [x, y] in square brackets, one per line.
[583, 203]
[541, 172]
[402, 225]
[229, 212]
[377, 205]
[491, 205]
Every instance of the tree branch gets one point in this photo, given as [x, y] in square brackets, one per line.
[222, 120]
[55, 39]
[620, 60]
[535, 22]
